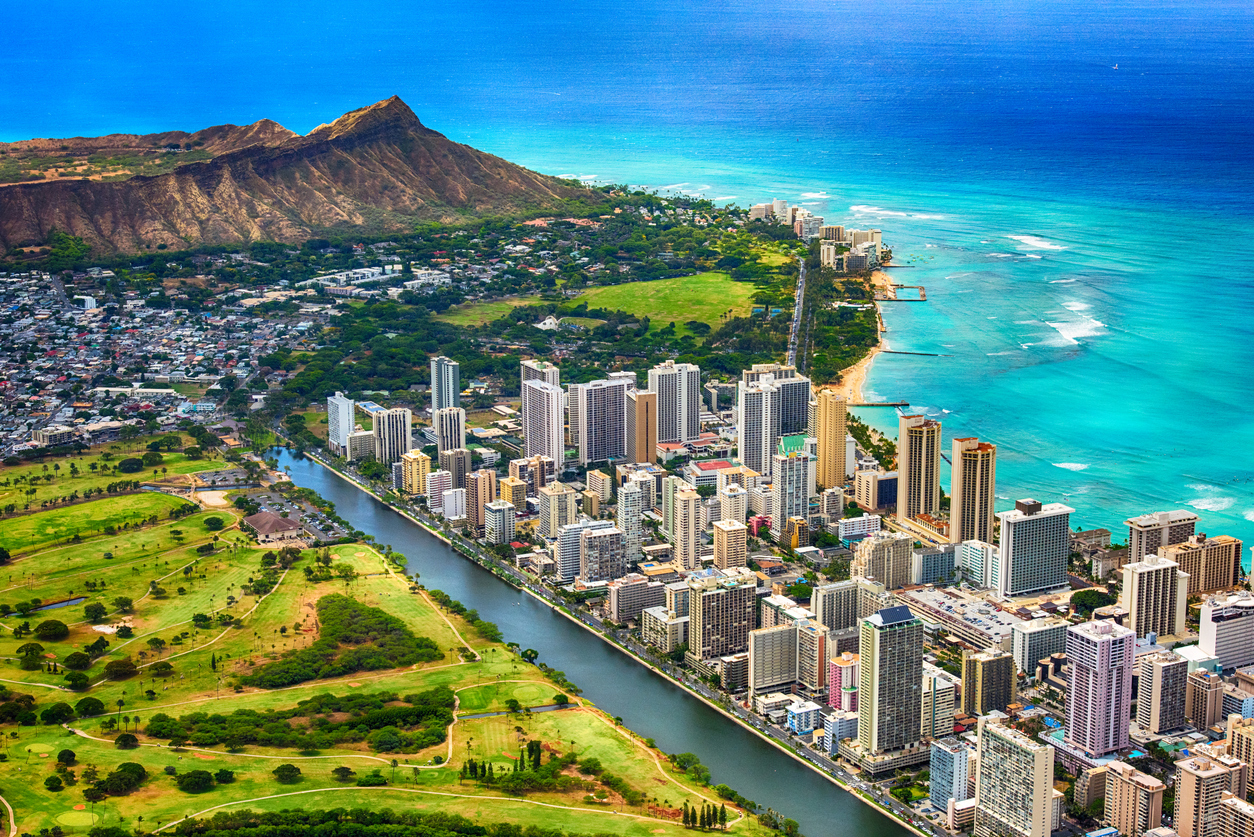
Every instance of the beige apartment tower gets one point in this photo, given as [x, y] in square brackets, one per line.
[688, 526]
[972, 489]
[641, 425]
[393, 434]
[1161, 692]
[1156, 595]
[415, 468]
[721, 612]
[559, 506]
[918, 466]
[1211, 563]
[1014, 783]
[830, 418]
[1149, 532]
[988, 681]
[1201, 782]
[1134, 800]
[886, 557]
[1203, 698]
[480, 490]
[731, 544]
[513, 491]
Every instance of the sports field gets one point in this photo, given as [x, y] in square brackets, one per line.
[707, 297]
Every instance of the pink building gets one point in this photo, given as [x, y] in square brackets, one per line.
[1100, 689]
[842, 682]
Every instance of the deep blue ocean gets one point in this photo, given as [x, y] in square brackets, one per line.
[1071, 181]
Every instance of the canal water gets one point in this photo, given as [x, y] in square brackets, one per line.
[648, 703]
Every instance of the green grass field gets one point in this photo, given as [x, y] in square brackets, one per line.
[27, 533]
[76, 473]
[208, 662]
[706, 297]
[478, 313]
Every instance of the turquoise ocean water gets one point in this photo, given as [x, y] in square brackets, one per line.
[1070, 181]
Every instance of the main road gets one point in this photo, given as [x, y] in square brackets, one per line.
[796, 312]
[647, 702]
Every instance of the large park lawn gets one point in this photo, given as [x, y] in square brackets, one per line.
[478, 313]
[27, 533]
[707, 297]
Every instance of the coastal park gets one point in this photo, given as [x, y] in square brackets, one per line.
[176, 668]
[711, 298]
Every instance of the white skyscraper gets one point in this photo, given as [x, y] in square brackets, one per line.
[446, 385]
[757, 423]
[542, 419]
[733, 503]
[678, 388]
[598, 416]
[790, 489]
[339, 422]
[792, 412]
[537, 370]
[566, 547]
[438, 482]
[1035, 545]
[450, 428]
[630, 518]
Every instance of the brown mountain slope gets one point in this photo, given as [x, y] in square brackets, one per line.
[378, 167]
[220, 139]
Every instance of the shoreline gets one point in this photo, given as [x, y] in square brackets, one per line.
[853, 378]
[640, 661]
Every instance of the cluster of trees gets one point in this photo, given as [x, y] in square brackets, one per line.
[199, 781]
[705, 817]
[487, 630]
[371, 718]
[341, 822]
[530, 774]
[353, 637]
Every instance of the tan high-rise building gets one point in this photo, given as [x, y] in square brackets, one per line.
[1201, 782]
[1236, 817]
[1203, 698]
[600, 484]
[988, 681]
[393, 434]
[886, 557]
[535, 471]
[1160, 692]
[480, 490]
[731, 544]
[972, 489]
[1014, 783]
[830, 417]
[1156, 595]
[514, 492]
[415, 468]
[1148, 532]
[918, 466]
[721, 613]
[457, 462]
[559, 506]
[688, 528]
[1211, 563]
[1134, 800]
[641, 425]
[1240, 738]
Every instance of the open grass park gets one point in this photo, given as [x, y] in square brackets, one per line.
[709, 298]
[479, 313]
[175, 668]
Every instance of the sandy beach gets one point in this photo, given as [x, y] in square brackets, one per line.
[853, 377]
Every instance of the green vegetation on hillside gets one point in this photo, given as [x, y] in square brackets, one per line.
[353, 638]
